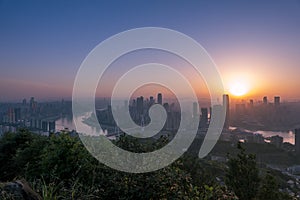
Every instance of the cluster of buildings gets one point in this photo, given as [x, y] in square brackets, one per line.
[139, 112]
[37, 117]
[239, 109]
[265, 113]
[297, 141]
[41, 117]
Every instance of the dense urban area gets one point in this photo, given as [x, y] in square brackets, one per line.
[40, 150]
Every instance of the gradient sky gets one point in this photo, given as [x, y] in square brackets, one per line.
[42, 43]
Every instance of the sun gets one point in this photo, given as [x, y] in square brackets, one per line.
[238, 88]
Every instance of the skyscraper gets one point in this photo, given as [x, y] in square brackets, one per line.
[17, 114]
[11, 115]
[195, 109]
[45, 126]
[297, 140]
[226, 107]
[204, 117]
[151, 101]
[159, 98]
[31, 102]
[24, 102]
[166, 106]
[52, 126]
[277, 101]
[251, 103]
[240, 109]
[140, 105]
[265, 100]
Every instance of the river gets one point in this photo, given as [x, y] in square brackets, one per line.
[67, 122]
[64, 122]
[288, 136]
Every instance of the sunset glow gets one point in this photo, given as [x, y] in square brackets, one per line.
[239, 88]
[255, 58]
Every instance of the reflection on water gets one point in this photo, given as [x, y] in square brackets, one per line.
[65, 122]
[86, 128]
[68, 122]
[287, 136]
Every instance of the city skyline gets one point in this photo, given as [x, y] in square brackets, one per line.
[272, 117]
[151, 99]
[253, 44]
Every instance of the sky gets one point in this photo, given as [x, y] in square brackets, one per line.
[43, 43]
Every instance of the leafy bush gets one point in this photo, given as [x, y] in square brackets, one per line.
[60, 167]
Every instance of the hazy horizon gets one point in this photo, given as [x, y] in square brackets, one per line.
[44, 43]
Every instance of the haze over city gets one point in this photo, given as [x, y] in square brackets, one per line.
[136, 99]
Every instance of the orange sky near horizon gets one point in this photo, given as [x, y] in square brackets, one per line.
[44, 43]
[262, 75]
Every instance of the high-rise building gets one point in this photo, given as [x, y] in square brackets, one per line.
[204, 117]
[24, 102]
[11, 115]
[140, 105]
[265, 100]
[277, 101]
[39, 123]
[45, 126]
[251, 103]
[31, 102]
[52, 126]
[226, 107]
[159, 98]
[195, 109]
[151, 101]
[17, 114]
[166, 106]
[218, 110]
[297, 140]
[240, 109]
